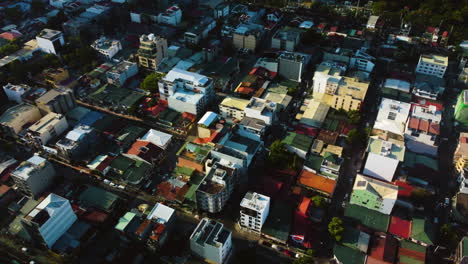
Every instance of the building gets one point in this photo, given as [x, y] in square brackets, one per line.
[431, 64]
[461, 256]
[75, 143]
[298, 144]
[261, 109]
[186, 91]
[50, 41]
[291, 65]
[374, 194]
[59, 101]
[211, 241]
[232, 107]
[195, 34]
[55, 76]
[172, 16]
[218, 185]
[423, 129]
[152, 50]
[47, 128]
[391, 119]
[121, 73]
[285, 40]
[372, 22]
[254, 209]
[49, 220]
[158, 138]
[145, 151]
[460, 157]
[314, 115]
[162, 219]
[317, 183]
[428, 86]
[396, 89]
[247, 36]
[16, 118]
[252, 128]
[194, 156]
[107, 47]
[356, 60]
[461, 108]
[383, 158]
[33, 176]
[15, 92]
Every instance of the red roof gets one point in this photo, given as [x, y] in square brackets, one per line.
[426, 102]
[10, 35]
[95, 216]
[145, 150]
[445, 34]
[303, 206]
[333, 29]
[434, 129]
[424, 125]
[4, 189]
[105, 163]
[400, 227]
[414, 123]
[321, 25]
[404, 189]
[157, 232]
[383, 249]
[307, 130]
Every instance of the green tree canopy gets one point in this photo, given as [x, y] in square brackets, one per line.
[308, 258]
[319, 201]
[335, 228]
[150, 83]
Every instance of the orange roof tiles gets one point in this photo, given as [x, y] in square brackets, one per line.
[424, 125]
[414, 123]
[434, 129]
[302, 208]
[317, 182]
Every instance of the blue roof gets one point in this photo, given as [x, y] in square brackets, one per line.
[208, 118]
[90, 118]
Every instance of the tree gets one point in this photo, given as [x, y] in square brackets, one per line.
[15, 14]
[312, 37]
[354, 116]
[420, 196]
[308, 258]
[278, 155]
[318, 201]
[335, 228]
[150, 83]
[448, 236]
[37, 6]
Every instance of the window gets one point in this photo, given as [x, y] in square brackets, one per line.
[392, 115]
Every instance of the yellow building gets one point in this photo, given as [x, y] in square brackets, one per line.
[232, 107]
[152, 50]
[246, 38]
[55, 76]
[460, 157]
[347, 94]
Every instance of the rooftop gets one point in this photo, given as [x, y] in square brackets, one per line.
[98, 198]
[49, 33]
[392, 116]
[194, 78]
[250, 122]
[194, 152]
[348, 255]
[317, 182]
[423, 230]
[210, 232]
[298, 141]
[30, 166]
[46, 209]
[208, 118]
[279, 221]
[255, 201]
[46, 123]
[367, 217]
[15, 112]
[435, 59]
[237, 103]
[392, 148]
[354, 238]
[379, 188]
[161, 213]
[396, 84]
[124, 221]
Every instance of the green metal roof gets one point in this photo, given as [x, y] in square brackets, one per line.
[409, 260]
[137, 172]
[347, 255]
[279, 221]
[412, 246]
[465, 246]
[122, 163]
[124, 221]
[97, 197]
[184, 171]
[423, 231]
[411, 159]
[314, 162]
[376, 145]
[356, 239]
[298, 141]
[367, 217]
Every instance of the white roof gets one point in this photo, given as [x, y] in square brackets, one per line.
[255, 201]
[77, 133]
[306, 24]
[392, 116]
[156, 137]
[396, 84]
[161, 213]
[380, 167]
[36, 160]
[208, 118]
[195, 78]
[51, 203]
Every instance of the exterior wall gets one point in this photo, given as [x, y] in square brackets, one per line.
[290, 69]
[58, 224]
[430, 69]
[49, 46]
[251, 133]
[345, 102]
[37, 182]
[230, 112]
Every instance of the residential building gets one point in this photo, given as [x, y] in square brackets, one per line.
[247, 36]
[195, 34]
[59, 3]
[205, 123]
[396, 89]
[331, 165]
[291, 65]
[428, 86]
[194, 156]
[121, 73]
[16, 118]
[261, 109]
[49, 220]
[145, 151]
[47, 128]
[221, 10]
[186, 91]
[461, 108]
[158, 138]
[151, 51]
[372, 22]
[254, 209]
[314, 114]
[432, 64]
[286, 39]
[107, 47]
[423, 129]
[59, 101]
[75, 143]
[134, 166]
[55, 76]
[374, 194]
[33, 176]
[252, 128]
[218, 185]
[356, 60]
[460, 157]
[162, 219]
[317, 183]
[391, 119]
[211, 241]
[383, 158]
[50, 41]
[15, 92]
[172, 16]
[298, 144]
[232, 107]
[237, 149]
[461, 255]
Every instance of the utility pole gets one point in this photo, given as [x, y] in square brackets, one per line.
[357, 8]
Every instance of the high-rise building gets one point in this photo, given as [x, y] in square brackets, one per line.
[49, 220]
[432, 64]
[254, 211]
[152, 50]
[50, 41]
[461, 108]
[33, 176]
[57, 100]
[211, 241]
[292, 65]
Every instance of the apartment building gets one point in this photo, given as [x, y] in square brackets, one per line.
[291, 65]
[374, 194]
[195, 34]
[247, 36]
[15, 118]
[423, 129]
[59, 101]
[50, 41]
[432, 64]
[107, 47]
[15, 92]
[49, 220]
[33, 176]
[286, 39]
[461, 108]
[172, 16]
[211, 241]
[121, 72]
[55, 76]
[261, 109]
[254, 209]
[47, 128]
[383, 158]
[232, 107]
[391, 119]
[460, 157]
[151, 51]
[75, 143]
